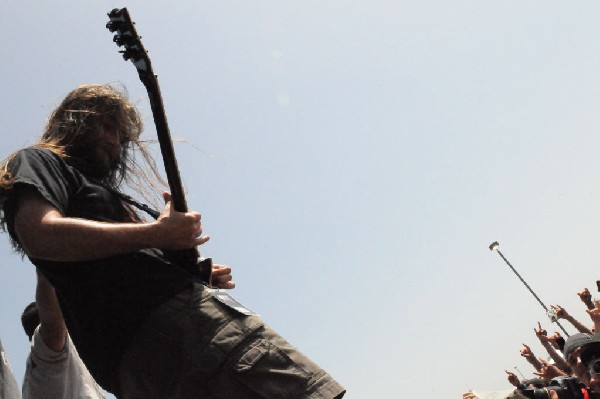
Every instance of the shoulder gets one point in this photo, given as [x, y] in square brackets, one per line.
[44, 171]
[35, 154]
[40, 164]
[36, 161]
[37, 151]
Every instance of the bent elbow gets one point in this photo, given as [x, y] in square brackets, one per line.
[36, 238]
[34, 247]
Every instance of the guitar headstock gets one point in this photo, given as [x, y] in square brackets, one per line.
[126, 36]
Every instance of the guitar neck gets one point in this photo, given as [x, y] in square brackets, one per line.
[187, 257]
[127, 37]
[166, 145]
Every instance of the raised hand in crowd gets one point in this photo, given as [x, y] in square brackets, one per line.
[561, 313]
[470, 395]
[530, 357]
[549, 371]
[586, 298]
[557, 341]
[513, 379]
[540, 332]
[559, 361]
[595, 316]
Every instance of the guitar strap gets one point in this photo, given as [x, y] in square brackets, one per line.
[143, 207]
[126, 198]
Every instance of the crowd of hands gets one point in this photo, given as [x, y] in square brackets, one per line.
[553, 344]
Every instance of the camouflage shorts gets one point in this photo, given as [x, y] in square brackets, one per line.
[193, 346]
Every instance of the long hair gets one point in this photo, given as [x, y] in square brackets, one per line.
[73, 128]
[75, 124]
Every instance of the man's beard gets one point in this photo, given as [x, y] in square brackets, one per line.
[96, 162]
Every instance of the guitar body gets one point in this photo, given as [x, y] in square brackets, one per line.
[126, 36]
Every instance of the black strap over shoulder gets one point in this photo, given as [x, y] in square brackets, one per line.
[126, 198]
[143, 207]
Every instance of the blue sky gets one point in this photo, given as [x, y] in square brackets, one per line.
[353, 161]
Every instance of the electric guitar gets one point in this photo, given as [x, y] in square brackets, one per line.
[126, 36]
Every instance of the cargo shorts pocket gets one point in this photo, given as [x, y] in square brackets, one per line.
[265, 369]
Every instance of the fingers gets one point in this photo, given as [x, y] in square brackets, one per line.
[179, 230]
[220, 269]
[222, 277]
[584, 294]
[539, 331]
[592, 312]
[228, 285]
[166, 197]
[555, 336]
[201, 240]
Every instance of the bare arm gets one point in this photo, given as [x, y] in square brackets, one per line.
[52, 325]
[513, 379]
[595, 315]
[549, 371]
[46, 234]
[530, 357]
[558, 360]
[561, 313]
[557, 341]
[586, 298]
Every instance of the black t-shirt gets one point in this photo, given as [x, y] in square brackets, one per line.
[104, 300]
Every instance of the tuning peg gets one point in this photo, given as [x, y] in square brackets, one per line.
[123, 39]
[115, 13]
[130, 54]
[118, 39]
[114, 25]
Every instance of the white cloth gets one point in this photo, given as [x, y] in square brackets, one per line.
[57, 375]
[8, 385]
